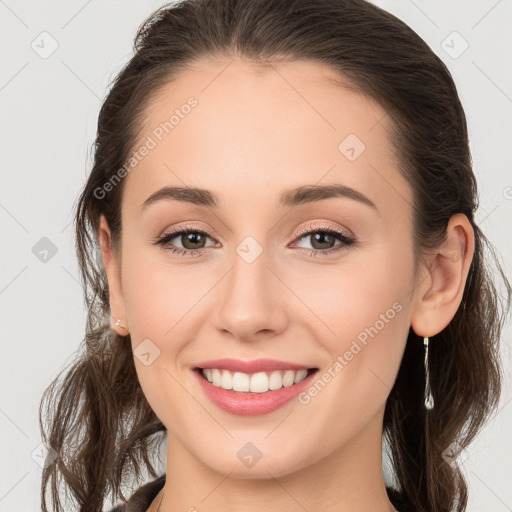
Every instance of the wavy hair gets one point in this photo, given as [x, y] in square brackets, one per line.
[97, 418]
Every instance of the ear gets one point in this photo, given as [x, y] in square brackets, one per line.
[439, 294]
[113, 271]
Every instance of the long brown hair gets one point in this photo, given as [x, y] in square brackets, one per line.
[97, 418]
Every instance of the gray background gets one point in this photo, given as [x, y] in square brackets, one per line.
[49, 114]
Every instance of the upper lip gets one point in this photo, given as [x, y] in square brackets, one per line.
[257, 365]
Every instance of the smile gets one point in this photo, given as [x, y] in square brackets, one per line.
[259, 382]
[254, 394]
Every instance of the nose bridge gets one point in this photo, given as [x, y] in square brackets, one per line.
[250, 300]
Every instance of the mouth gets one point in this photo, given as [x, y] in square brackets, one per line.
[256, 382]
[253, 394]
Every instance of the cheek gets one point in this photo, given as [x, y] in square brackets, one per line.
[157, 302]
[157, 294]
[162, 302]
[363, 290]
[365, 305]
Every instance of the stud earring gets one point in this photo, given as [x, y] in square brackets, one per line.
[119, 324]
[428, 398]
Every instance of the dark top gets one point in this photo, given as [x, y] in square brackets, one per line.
[142, 498]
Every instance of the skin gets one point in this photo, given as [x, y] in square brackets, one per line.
[254, 134]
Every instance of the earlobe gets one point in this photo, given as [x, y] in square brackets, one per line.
[118, 319]
[439, 294]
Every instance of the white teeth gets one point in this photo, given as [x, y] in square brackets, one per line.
[215, 377]
[300, 375]
[239, 381]
[275, 380]
[225, 380]
[259, 382]
[288, 378]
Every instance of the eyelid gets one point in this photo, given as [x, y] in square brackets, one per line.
[304, 230]
[183, 227]
[319, 225]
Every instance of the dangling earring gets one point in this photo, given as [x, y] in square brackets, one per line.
[429, 399]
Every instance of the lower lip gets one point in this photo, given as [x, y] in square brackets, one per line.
[252, 404]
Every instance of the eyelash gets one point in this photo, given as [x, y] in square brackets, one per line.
[303, 233]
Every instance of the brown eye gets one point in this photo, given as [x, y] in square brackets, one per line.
[192, 240]
[323, 240]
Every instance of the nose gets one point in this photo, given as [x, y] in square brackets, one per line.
[252, 300]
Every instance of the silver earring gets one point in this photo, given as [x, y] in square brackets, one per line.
[429, 399]
[119, 324]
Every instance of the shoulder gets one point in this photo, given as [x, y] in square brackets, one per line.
[142, 498]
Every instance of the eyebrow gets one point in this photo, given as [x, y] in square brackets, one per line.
[297, 196]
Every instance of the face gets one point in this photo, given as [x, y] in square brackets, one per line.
[325, 281]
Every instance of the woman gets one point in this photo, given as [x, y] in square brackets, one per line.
[282, 269]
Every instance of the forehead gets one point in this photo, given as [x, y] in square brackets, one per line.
[264, 129]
